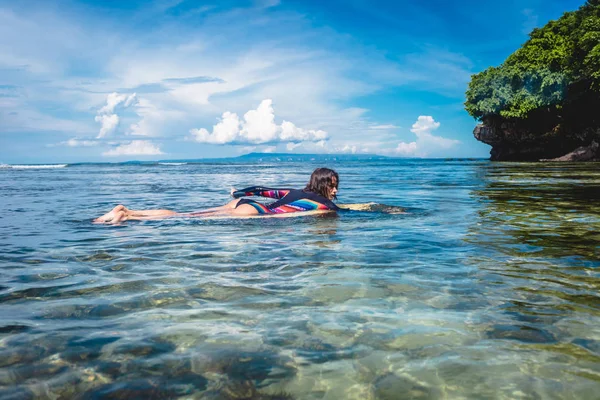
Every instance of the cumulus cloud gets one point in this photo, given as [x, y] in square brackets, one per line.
[107, 117]
[426, 142]
[291, 132]
[257, 127]
[109, 124]
[406, 149]
[226, 131]
[424, 124]
[134, 148]
[114, 99]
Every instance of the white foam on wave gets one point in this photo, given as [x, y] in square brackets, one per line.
[172, 163]
[41, 166]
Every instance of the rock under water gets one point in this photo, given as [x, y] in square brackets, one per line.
[583, 153]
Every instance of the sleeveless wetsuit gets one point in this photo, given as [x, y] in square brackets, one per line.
[289, 200]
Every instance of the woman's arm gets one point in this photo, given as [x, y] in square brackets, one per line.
[260, 191]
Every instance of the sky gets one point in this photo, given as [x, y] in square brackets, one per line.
[109, 81]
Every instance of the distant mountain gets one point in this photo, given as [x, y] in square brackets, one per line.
[308, 157]
[287, 157]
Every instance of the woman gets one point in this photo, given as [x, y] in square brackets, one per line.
[317, 196]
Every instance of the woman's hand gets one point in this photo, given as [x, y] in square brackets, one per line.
[232, 191]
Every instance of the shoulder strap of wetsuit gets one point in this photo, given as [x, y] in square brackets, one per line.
[296, 194]
[261, 191]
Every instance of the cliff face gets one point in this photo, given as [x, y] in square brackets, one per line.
[512, 141]
[543, 101]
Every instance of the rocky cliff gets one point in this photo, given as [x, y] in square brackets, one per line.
[513, 141]
[543, 101]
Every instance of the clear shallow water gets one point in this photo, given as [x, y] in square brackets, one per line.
[488, 288]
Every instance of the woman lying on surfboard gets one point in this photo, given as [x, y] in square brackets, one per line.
[316, 197]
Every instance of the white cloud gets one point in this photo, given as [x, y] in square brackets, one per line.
[74, 142]
[258, 126]
[153, 118]
[291, 132]
[349, 149]
[423, 127]
[109, 124]
[308, 70]
[406, 149]
[107, 116]
[424, 124]
[269, 149]
[114, 99]
[226, 131]
[134, 148]
[291, 146]
[383, 127]
[426, 142]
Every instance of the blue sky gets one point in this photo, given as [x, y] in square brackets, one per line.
[172, 79]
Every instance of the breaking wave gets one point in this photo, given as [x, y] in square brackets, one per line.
[41, 166]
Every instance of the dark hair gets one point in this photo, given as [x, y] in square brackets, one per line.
[322, 180]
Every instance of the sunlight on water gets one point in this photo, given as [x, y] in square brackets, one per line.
[487, 287]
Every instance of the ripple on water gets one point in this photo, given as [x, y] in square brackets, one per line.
[487, 288]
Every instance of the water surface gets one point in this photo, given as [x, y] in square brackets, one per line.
[488, 288]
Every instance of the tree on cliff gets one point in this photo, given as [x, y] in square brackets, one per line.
[554, 76]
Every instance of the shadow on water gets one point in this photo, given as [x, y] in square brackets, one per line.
[537, 229]
[540, 211]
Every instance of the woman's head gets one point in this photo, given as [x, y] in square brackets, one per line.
[324, 181]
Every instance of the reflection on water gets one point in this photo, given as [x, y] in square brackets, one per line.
[486, 288]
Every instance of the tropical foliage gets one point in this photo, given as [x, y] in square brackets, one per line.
[558, 66]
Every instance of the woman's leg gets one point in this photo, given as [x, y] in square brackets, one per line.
[245, 209]
[151, 213]
[241, 210]
[232, 208]
[229, 206]
[122, 213]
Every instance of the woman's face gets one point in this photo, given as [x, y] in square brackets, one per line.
[333, 189]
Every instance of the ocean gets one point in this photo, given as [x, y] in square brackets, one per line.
[488, 287]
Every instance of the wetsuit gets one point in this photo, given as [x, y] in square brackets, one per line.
[289, 200]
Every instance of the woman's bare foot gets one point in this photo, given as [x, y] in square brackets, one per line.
[119, 217]
[110, 216]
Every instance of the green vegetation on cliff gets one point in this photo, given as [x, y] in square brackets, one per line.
[554, 76]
